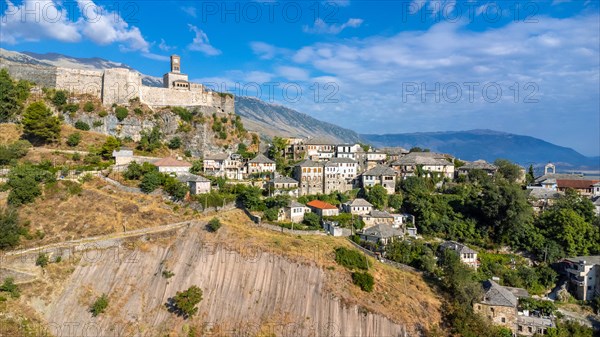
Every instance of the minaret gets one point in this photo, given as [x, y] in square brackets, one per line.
[175, 64]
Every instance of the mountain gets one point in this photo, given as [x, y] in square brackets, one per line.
[277, 120]
[490, 145]
[265, 118]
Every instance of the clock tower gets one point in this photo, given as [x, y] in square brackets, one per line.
[175, 64]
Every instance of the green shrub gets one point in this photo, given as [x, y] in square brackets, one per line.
[364, 280]
[39, 123]
[88, 107]
[214, 224]
[312, 220]
[121, 113]
[9, 286]
[167, 274]
[10, 229]
[183, 113]
[99, 306]
[151, 181]
[60, 98]
[103, 113]
[185, 302]
[271, 214]
[74, 139]
[351, 258]
[71, 108]
[76, 156]
[222, 135]
[42, 260]
[138, 111]
[82, 126]
[97, 124]
[175, 143]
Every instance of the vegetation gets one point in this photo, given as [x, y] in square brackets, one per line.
[99, 306]
[74, 139]
[312, 220]
[60, 98]
[151, 181]
[13, 151]
[42, 260]
[39, 124]
[88, 107]
[174, 143]
[150, 141]
[364, 280]
[351, 259]
[79, 125]
[23, 182]
[167, 274]
[121, 113]
[214, 224]
[378, 196]
[12, 96]
[9, 286]
[10, 229]
[184, 302]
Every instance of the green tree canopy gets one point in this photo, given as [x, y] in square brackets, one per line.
[377, 196]
[39, 124]
[185, 301]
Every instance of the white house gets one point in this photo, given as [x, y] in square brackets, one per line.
[467, 255]
[172, 165]
[197, 184]
[293, 212]
[261, 164]
[357, 206]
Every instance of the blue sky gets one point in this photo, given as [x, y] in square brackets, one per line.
[527, 67]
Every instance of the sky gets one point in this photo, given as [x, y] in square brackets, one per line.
[525, 67]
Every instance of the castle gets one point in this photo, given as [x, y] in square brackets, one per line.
[120, 85]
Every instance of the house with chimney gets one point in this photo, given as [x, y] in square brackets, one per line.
[467, 255]
[380, 175]
[261, 165]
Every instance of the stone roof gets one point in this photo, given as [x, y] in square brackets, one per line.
[309, 163]
[543, 193]
[359, 202]
[380, 170]
[261, 159]
[318, 141]
[596, 201]
[284, 180]
[187, 177]
[320, 205]
[418, 158]
[458, 247]
[588, 259]
[382, 231]
[535, 321]
[495, 294]
[479, 165]
[380, 214]
[171, 162]
[216, 156]
[555, 176]
[294, 204]
[394, 150]
[518, 292]
[336, 160]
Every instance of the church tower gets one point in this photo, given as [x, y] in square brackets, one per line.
[175, 64]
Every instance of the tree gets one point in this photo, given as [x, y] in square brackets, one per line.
[13, 151]
[214, 224]
[23, 181]
[312, 220]
[99, 306]
[39, 124]
[10, 230]
[151, 181]
[395, 201]
[508, 170]
[175, 188]
[530, 178]
[121, 112]
[185, 301]
[569, 229]
[74, 139]
[10, 287]
[109, 146]
[42, 260]
[10, 104]
[175, 143]
[378, 196]
[60, 98]
[150, 141]
[271, 213]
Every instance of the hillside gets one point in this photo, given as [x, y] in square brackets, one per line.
[268, 119]
[277, 120]
[490, 145]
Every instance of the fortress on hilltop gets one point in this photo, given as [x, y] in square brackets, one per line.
[120, 85]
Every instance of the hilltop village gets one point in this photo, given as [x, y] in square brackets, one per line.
[505, 245]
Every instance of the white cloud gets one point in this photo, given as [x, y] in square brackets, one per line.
[189, 10]
[201, 43]
[35, 20]
[293, 73]
[321, 27]
[164, 46]
[156, 57]
[267, 51]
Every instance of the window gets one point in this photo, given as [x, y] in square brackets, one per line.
[503, 320]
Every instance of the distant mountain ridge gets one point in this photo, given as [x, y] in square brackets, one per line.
[265, 118]
[490, 145]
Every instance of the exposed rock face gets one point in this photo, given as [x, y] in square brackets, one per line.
[250, 292]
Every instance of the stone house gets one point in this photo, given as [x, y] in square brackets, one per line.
[583, 273]
[293, 212]
[541, 198]
[261, 165]
[282, 185]
[376, 217]
[339, 174]
[357, 206]
[380, 175]
[381, 234]
[196, 183]
[123, 156]
[323, 208]
[310, 175]
[467, 255]
[375, 158]
[224, 165]
[318, 149]
[584, 187]
[482, 165]
[427, 162]
[172, 165]
[394, 153]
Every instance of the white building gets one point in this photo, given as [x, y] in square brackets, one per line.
[467, 255]
[380, 175]
[172, 165]
[584, 276]
[261, 164]
[357, 206]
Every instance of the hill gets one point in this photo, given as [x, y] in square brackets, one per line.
[267, 119]
[490, 145]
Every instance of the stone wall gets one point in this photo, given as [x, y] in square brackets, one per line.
[120, 85]
[79, 81]
[182, 97]
[42, 75]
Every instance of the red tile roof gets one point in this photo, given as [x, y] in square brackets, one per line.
[171, 162]
[320, 205]
[575, 183]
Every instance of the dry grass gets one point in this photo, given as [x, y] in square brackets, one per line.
[10, 133]
[403, 296]
[100, 209]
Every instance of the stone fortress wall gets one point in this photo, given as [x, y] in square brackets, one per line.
[119, 85]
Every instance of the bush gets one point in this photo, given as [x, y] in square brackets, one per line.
[364, 280]
[175, 143]
[13, 151]
[76, 156]
[183, 113]
[10, 229]
[60, 98]
[167, 274]
[312, 220]
[103, 113]
[175, 188]
[99, 306]
[351, 259]
[222, 134]
[42, 260]
[10, 287]
[121, 113]
[271, 214]
[74, 139]
[214, 224]
[39, 123]
[82, 126]
[88, 107]
[98, 124]
[23, 182]
[136, 171]
[185, 302]
[138, 111]
[71, 108]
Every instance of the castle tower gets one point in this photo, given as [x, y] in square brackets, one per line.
[175, 64]
[549, 169]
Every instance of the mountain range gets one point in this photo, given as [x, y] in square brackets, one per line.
[271, 120]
